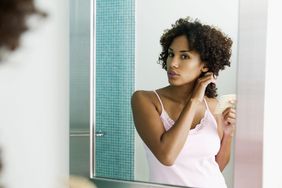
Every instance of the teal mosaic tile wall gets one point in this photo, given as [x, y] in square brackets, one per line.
[115, 59]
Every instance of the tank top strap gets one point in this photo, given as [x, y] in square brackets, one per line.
[159, 100]
[207, 106]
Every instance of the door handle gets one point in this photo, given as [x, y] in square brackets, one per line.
[100, 133]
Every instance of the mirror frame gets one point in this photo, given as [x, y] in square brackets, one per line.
[248, 154]
[250, 105]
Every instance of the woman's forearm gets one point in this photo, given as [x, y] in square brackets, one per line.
[223, 156]
[174, 139]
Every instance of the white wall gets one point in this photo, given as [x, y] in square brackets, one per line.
[34, 104]
[152, 18]
[272, 153]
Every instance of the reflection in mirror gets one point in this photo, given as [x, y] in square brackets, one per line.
[187, 137]
[127, 35]
[148, 48]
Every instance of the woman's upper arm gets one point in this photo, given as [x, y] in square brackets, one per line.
[147, 120]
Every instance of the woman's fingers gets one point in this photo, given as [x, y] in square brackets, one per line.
[208, 78]
[229, 112]
[230, 121]
[229, 115]
[201, 85]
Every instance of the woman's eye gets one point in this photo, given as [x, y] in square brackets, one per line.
[170, 54]
[184, 56]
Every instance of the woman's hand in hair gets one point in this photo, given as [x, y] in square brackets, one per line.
[201, 85]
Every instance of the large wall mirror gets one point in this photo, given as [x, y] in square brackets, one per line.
[120, 39]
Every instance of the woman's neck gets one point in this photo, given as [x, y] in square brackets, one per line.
[180, 94]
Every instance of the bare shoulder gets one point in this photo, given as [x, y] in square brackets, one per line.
[141, 96]
[212, 102]
[146, 115]
[139, 93]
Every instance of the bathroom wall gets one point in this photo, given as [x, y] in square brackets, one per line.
[272, 154]
[115, 62]
[114, 83]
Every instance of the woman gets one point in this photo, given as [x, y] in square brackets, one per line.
[13, 23]
[186, 143]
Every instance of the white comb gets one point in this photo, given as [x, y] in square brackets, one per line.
[224, 101]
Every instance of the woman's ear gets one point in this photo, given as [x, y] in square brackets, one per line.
[205, 69]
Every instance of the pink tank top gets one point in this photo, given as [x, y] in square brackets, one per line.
[195, 165]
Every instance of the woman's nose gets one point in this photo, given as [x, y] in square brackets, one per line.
[174, 62]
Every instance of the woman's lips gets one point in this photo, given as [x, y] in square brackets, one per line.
[172, 74]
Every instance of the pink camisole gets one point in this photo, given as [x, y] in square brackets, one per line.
[195, 165]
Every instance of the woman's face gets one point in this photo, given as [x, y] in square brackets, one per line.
[183, 65]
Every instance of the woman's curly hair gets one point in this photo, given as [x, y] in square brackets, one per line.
[13, 14]
[213, 46]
